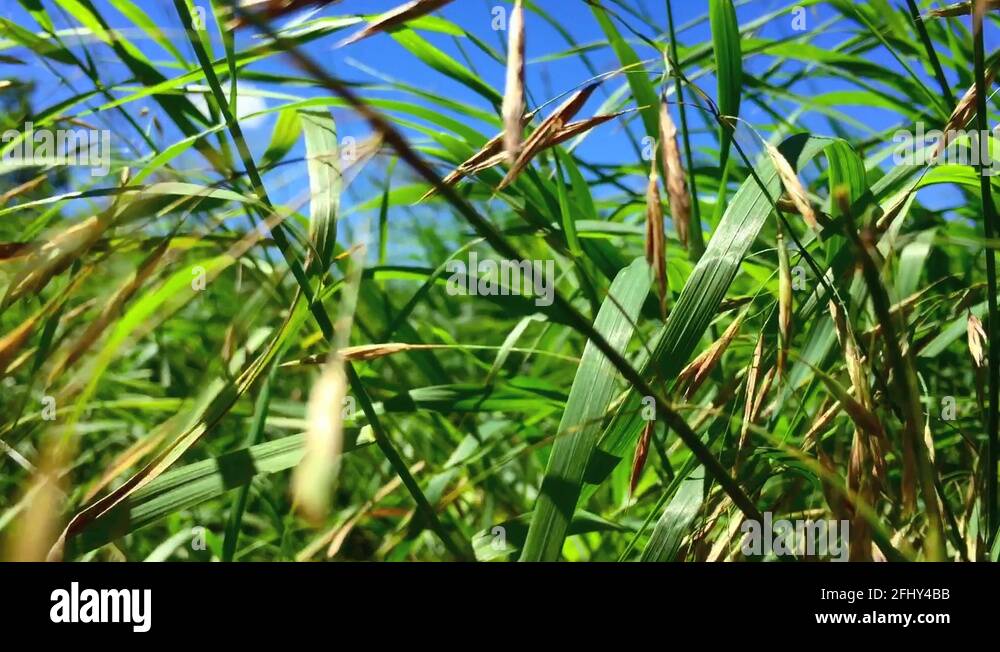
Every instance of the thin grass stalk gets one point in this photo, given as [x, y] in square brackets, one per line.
[424, 508]
[925, 38]
[513, 99]
[993, 325]
[232, 534]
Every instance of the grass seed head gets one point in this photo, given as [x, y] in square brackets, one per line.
[677, 190]
[655, 241]
[578, 127]
[750, 398]
[542, 137]
[316, 475]
[977, 340]
[961, 9]
[696, 372]
[961, 116]
[641, 453]
[513, 99]
[784, 302]
[394, 18]
[796, 191]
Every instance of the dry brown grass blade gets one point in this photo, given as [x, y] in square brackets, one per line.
[490, 155]
[867, 429]
[860, 483]
[786, 205]
[840, 505]
[852, 358]
[676, 182]
[551, 126]
[867, 463]
[862, 417]
[365, 352]
[513, 98]
[765, 387]
[929, 440]
[274, 9]
[77, 310]
[54, 257]
[860, 409]
[130, 457]
[656, 254]
[491, 162]
[373, 351]
[578, 127]
[334, 539]
[363, 154]
[695, 373]
[13, 250]
[12, 342]
[110, 312]
[821, 423]
[395, 18]
[793, 186]
[733, 304]
[27, 186]
[721, 547]
[894, 208]
[337, 541]
[960, 9]
[960, 117]
[478, 160]
[900, 308]
[977, 340]
[641, 453]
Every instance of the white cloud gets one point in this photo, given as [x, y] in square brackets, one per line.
[246, 104]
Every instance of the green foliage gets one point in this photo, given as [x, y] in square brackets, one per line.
[163, 326]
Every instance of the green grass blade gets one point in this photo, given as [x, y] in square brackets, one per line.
[676, 518]
[729, 61]
[642, 88]
[323, 154]
[187, 487]
[590, 395]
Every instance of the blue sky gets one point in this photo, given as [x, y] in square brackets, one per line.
[547, 78]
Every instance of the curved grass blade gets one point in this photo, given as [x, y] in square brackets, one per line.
[187, 487]
[323, 163]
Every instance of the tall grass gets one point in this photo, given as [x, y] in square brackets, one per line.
[235, 347]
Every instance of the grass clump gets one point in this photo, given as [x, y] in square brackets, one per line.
[300, 309]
